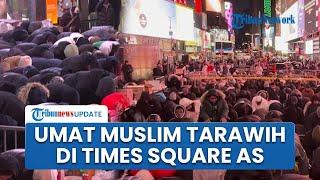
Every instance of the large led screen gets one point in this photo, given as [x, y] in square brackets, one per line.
[309, 47]
[290, 31]
[184, 29]
[214, 5]
[229, 14]
[156, 18]
[310, 9]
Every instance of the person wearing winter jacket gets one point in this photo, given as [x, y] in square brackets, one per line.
[214, 108]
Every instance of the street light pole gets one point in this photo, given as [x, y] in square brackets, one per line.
[171, 36]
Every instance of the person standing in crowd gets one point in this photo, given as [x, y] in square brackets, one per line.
[70, 21]
[105, 13]
[127, 71]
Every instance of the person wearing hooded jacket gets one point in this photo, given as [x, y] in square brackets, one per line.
[180, 115]
[292, 112]
[33, 94]
[214, 108]
[192, 108]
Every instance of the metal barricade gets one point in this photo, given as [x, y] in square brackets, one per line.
[15, 129]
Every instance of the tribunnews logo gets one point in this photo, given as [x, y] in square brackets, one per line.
[66, 114]
[38, 114]
[240, 20]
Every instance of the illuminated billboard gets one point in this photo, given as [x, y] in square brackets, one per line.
[184, 29]
[290, 31]
[214, 5]
[198, 6]
[149, 18]
[52, 10]
[309, 47]
[310, 10]
[228, 14]
[157, 18]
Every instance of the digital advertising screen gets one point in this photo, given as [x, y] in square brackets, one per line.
[309, 47]
[214, 5]
[184, 29]
[228, 15]
[310, 9]
[156, 19]
[290, 31]
[170, 92]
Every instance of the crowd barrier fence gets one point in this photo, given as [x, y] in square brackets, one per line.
[15, 129]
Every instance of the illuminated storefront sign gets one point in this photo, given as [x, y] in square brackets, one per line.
[267, 8]
[228, 14]
[52, 10]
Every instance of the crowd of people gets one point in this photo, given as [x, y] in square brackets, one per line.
[40, 65]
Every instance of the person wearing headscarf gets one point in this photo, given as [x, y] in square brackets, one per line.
[33, 94]
[180, 115]
[259, 102]
[214, 108]
[192, 108]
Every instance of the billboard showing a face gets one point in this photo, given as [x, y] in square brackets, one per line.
[157, 18]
